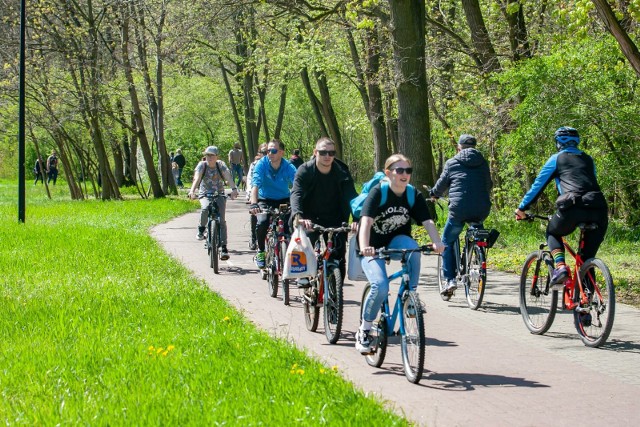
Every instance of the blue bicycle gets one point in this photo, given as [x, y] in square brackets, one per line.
[408, 310]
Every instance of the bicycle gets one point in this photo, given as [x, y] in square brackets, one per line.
[213, 242]
[588, 292]
[276, 244]
[471, 265]
[326, 287]
[408, 310]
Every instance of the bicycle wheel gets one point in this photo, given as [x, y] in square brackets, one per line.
[378, 335]
[413, 340]
[282, 251]
[215, 242]
[310, 307]
[442, 283]
[271, 268]
[594, 325]
[476, 277]
[333, 305]
[538, 300]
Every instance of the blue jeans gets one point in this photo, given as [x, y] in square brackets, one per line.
[450, 234]
[376, 271]
[236, 171]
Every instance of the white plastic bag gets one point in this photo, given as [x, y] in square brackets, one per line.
[354, 268]
[300, 259]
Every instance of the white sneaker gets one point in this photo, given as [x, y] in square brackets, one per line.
[303, 283]
[363, 342]
[451, 286]
[200, 236]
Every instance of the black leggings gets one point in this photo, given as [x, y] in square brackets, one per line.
[262, 226]
[565, 222]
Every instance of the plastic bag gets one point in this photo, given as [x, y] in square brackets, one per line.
[354, 267]
[300, 259]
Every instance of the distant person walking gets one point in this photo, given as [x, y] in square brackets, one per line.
[236, 158]
[296, 160]
[38, 170]
[52, 168]
[180, 161]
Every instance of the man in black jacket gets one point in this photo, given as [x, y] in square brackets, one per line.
[322, 190]
[181, 162]
[468, 180]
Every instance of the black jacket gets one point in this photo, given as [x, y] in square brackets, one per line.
[468, 180]
[306, 193]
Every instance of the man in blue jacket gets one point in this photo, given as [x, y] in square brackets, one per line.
[468, 180]
[272, 177]
[580, 199]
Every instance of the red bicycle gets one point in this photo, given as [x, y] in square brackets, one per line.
[588, 292]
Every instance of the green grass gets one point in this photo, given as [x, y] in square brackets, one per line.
[620, 250]
[101, 327]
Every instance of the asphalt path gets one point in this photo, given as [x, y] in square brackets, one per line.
[482, 367]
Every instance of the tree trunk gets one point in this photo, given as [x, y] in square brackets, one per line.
[480, 36]
[281, 109]
[232, 103]
[313, 99]
[610, 21]
[328, 113]
[414, 137]
[518, 38]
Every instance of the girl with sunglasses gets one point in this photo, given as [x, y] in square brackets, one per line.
[389, 226]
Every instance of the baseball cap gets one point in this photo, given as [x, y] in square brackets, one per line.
[212, 149]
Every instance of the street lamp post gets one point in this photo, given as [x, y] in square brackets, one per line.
[21, 115]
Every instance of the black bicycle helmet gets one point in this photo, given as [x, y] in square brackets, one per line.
[565, 137]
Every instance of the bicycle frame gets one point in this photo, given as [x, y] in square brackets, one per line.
[397, 307]
[570, 302]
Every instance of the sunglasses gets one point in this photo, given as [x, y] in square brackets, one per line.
[400, 171]
[330, 153]
[272, 151]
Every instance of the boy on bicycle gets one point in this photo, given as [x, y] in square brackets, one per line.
[389, 226]
[580, 199]
[210, 176]
[272, 177]
[468, 180]
[321, 192]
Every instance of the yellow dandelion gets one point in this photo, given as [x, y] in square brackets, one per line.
[322, 370]
[295, 365]
[171, 347]
[151, 348]
[300, 372]
[226, 318]
[159, 350]
[334, 368]
[164, 353]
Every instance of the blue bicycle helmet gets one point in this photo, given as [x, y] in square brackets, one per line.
[566, 137]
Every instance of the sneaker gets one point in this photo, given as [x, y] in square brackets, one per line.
[585, 319]
[363, 342]
[260, 259]
[253, 245]
[303, 283]
[411, 311]
[200, 236]
[451, 286]
[224, 254]
[560, 275]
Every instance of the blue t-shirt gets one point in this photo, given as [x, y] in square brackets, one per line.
[273, 184]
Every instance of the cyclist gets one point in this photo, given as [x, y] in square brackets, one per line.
[210, 175]
[262, 151]
[321, 192]
[580, 199]
[467, 178]
[389, 226]
[272, 177]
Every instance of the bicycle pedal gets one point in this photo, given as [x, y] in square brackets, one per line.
[582, 310]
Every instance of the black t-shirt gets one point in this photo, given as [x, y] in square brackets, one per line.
[394, 217]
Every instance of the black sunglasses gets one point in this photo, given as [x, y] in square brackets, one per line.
[272, 151]
[330, 153]
[400, 171]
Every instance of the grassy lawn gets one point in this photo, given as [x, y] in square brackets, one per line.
[101, 327]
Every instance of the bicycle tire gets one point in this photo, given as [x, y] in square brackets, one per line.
[207, 243]
[282, 252]
[476, 273]
[378, 335]
[333, 305]
[310, 308]
[595, 326]
[215, 246]
[442, 283]
[413, 339]
[538, 301]
[271, 268]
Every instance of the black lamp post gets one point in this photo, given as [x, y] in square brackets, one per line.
[21, 118]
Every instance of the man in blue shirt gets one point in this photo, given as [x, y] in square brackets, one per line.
[271, 180]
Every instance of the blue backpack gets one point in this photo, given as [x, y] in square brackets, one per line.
[357, 202]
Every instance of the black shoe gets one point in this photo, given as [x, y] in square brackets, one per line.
[253, 245]
[224, 254]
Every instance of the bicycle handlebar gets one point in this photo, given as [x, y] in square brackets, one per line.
[383, 252]
[531, 217]
[215, 195]
[342, 229]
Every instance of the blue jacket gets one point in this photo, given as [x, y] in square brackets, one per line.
[468, 180]
[273, 185]
[573, 171]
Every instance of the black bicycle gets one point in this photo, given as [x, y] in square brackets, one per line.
[214, 237]
[471, 264]
[326, 287]
[276, 244]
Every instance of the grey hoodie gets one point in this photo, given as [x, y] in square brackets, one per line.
[468, 180]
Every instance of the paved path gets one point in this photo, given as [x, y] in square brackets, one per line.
[482, 367]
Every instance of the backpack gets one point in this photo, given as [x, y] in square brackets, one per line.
[357, 202]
